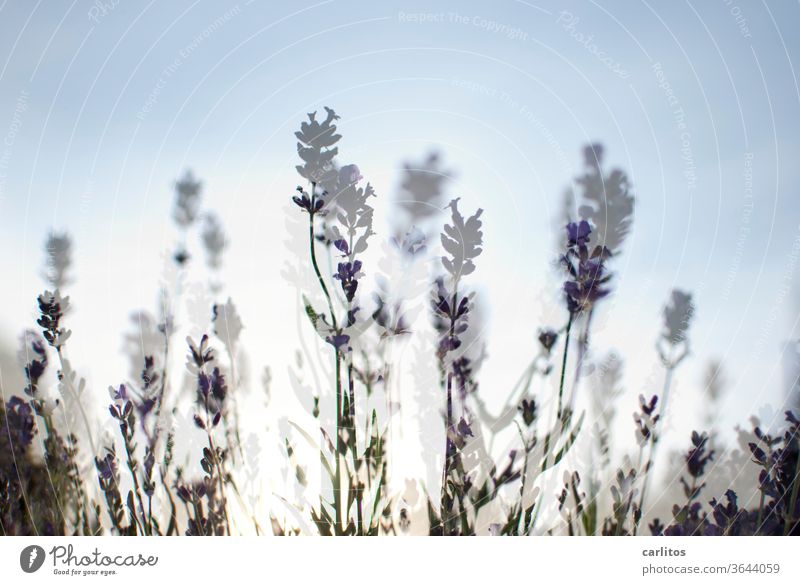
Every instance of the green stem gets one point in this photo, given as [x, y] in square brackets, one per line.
[337, 495]
[654, 445]
[564, 366]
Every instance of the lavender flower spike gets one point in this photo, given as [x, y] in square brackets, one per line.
[586, 270]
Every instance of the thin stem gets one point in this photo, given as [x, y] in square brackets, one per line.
[337, 496]
[790, 519]
[654, 445]
[447, 455]
[68, 384]
[220, 481]
[446, 502]
[763, 498]
[583, 349]
[337, 487]
[564, 366]
[314, 262]
[132, 466]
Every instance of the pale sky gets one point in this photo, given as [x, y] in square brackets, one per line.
[101, 110]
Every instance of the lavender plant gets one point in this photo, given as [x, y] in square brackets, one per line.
[145, 480]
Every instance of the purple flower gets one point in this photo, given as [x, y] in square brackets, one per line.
[339, 342]
[219, 389]
[464, 429]
[52, 307]
[348, 274]
[527, 408]
[307, 203]
[122, 408]
[341, 245]
[107, 467]
[697, 458]
[21, 428]
[586, 271]
[547, 339]
[646, 420]
[199, 355]
[578, 233]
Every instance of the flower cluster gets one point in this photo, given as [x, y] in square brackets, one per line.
[605, 200]
[646, 420]
[35, 356]
[52, 307]
[315, 146]
[586, 271]
[211, 386]
[21, 427]
[108, 478]
[462, 240]
[43, 491]
[673, 344]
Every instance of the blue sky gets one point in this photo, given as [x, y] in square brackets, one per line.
[100, 110]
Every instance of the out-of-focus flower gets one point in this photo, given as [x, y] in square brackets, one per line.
[547, 339]
[315, 146]
[698, 457]
[214, 240]
[227, 324]
[673, 344]
[678, 315]
[462, 241]
[58, 260]
[19, 423]
[187, 200]
[33, 356]
[107, 467]
[605, 200]
[421, 189]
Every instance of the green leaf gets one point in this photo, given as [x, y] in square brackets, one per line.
[325, 463]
